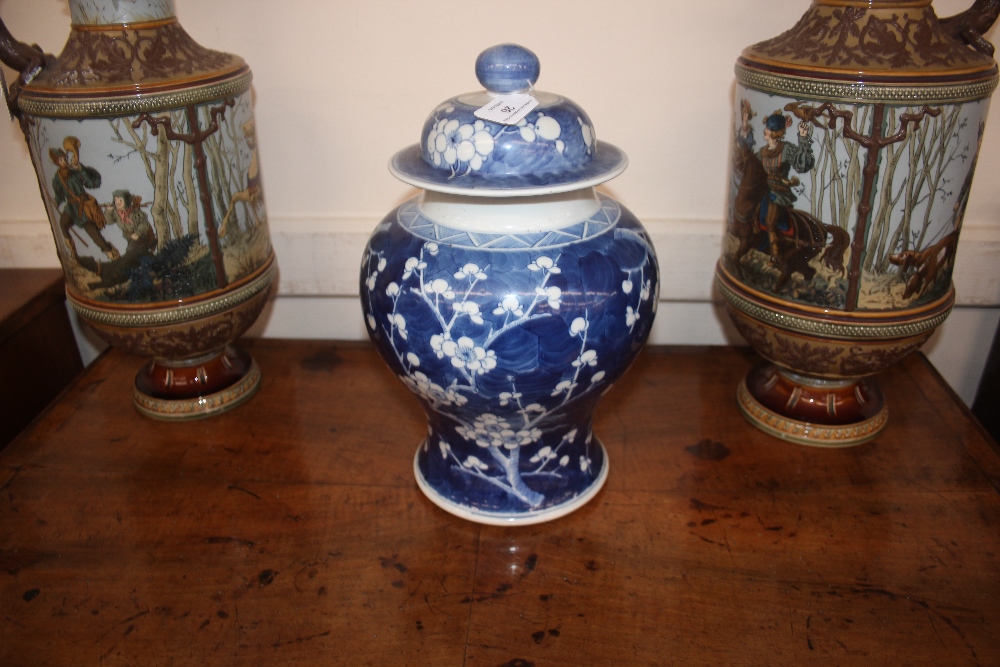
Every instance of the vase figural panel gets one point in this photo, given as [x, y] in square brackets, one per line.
[856, 138]
[145, 149]
[508, 297]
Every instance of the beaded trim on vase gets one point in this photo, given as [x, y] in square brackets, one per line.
[181, 313]
[870, 93]
[830, 329]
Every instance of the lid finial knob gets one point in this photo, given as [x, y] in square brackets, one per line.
[507, 68]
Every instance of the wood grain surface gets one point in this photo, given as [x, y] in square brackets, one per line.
[291, 532]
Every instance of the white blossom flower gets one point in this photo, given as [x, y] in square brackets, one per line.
[510, 304]
[470, 308]
[413, 264]
[470, 270]
[371, 322]
[371, 281]
[398, 322]
[486, 430]
[474, 462]
[543, 454]
[588, 134]
[631, 316]
[588, 358]
[454, 397]
[564, 460]
[437, 344]
[440, 287]
[445, 448]
[597, 377]
[392, 289]
[450, 142]
[544, 127]
[552, 294]
[534, 407]
[578, 325]
[566, 386]
[544, 263]
[381, 263]
[571, 436]
[510, 439]
[413, 359]
[507, 396]
[466, 354]
[585, 463]
[646, 288]
[627, 286]
[431, 247]
[422, 385]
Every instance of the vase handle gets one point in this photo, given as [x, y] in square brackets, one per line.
[973, 23]
[27, 59]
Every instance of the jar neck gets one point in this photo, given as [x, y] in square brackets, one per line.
[510, 215]
[119, 12]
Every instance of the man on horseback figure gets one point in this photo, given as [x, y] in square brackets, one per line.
[779, 157]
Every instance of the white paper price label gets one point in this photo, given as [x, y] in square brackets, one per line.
[507, 109]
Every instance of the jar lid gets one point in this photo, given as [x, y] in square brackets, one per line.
[553, 149]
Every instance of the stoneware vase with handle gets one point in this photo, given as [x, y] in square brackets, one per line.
[145, 149]
[856, 137]
[509, 296]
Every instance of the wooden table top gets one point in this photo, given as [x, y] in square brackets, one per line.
[291, 532]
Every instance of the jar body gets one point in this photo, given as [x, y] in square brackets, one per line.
[145, 150]
[509, 339]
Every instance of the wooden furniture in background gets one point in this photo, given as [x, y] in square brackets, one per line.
[38, 352]
[291, 532]
[986, 406]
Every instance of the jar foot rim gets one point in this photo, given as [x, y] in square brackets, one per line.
[526, 518]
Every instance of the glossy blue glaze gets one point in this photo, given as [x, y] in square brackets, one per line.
[507, 68]
[509, 341]
[549, 142]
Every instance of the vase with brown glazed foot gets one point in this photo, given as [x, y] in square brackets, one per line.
[144, 146]
[856, 135]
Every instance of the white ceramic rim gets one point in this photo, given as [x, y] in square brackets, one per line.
[524, 519]
[507, 215]
[610, 163]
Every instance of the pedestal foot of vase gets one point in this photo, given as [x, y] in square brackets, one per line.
[178, 390]
[819, 412]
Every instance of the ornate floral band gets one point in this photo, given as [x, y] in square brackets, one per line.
[871, 93]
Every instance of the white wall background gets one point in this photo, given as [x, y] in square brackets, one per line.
[340, 85]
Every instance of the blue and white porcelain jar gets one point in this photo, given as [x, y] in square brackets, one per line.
[509, 296]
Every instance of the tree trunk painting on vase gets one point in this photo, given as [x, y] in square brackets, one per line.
[145, 150]
[856, 138]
